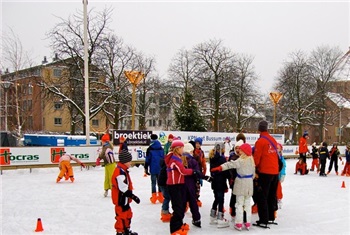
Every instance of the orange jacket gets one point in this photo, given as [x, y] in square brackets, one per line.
[198, 154]
[303, 145]
[121, 182]
[265, 156]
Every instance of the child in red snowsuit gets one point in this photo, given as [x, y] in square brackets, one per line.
[346, 170]
[315, 162]
[301, 167]
[122, 194]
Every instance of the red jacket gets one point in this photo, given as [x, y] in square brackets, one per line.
[303, 145]
[265, 156]
[121, 182]
[176, 171]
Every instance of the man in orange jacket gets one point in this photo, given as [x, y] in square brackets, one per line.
[266, 162]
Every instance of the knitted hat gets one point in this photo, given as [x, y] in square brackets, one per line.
[246, 148]
[105, 137]
[262, 126]
[305, 133]
[177, 143]
[193, 143]
[154, 136]
[170, 136]
[239, 143]
[199, 140]
[188, 148]
[125, 156]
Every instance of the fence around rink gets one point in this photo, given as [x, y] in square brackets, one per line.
[43, 157]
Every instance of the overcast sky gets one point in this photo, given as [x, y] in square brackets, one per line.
[266, 30]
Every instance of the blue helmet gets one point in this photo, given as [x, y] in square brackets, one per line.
[199, 140]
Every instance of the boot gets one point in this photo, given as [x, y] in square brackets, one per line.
[58, 179]
[160, 197]
[153, 199]
[129, 232]
[185, 227]
[165, 216]
[197, 223]
[105, 194]
[247, 226]
[238, 227]
[180, 232]
[254, 209]
[222, 222]
[213, 219]
[72, 179]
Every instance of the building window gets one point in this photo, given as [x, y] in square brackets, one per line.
[58, 121]
[57, 72]
[94, 122]
[25, 107]
[58, 105]
[151, 122]
[159, 122]
[30, 122]
[30, 89]
[30, 105]
[152, 111]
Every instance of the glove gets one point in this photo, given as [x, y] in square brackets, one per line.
[216, 169]
[82, 165]
[146, 169]
[201, 182]
[98, 161]
[135, 198]
[197, 173]
[208, 178]
[340, 158]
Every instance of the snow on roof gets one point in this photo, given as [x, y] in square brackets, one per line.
[339, 100]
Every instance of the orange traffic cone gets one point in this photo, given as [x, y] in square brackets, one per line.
[39, 226]
[343, 184]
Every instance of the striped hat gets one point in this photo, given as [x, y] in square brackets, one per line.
[125, 156]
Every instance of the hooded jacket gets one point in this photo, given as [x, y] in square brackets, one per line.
[154, 153]
[175, 170]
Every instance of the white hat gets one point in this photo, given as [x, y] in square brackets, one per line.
[239, 143]
[188, 148]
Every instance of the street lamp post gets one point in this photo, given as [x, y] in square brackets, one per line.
[275, 98]
[6, 85]
[340, 132]
[134, 78]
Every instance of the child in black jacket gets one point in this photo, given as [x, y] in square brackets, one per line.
[324, 154]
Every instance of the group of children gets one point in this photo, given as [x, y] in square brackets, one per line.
[319, 160]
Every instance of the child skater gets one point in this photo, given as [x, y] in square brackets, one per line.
[66, 168]
[243, 187]
[107, 155]
[314, 154]
[122, 194]
[281, 176]
[219, 187]
[346, 170]
[301, 167]
[176, 173]
[324, 154]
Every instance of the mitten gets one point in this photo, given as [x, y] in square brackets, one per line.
[197, 172]
[208, 178]
[146, 169]
[216, 169]
[98, 161]
[135, 198]
[282, 178]
[82, 165]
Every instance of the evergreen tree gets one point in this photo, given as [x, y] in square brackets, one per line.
[187, 116]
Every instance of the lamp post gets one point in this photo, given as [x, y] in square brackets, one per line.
[6, 85]
[86, 75]
[134, 78]
[340, 108]
[275, 98]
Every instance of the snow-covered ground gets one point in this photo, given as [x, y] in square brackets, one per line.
[311, 205]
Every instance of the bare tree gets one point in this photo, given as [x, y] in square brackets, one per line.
[68, 43]
[215, 65]
[15, 58]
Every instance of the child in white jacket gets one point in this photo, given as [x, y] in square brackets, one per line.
[243, 187]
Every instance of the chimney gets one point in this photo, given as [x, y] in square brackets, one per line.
[55, 58]
[44, 61]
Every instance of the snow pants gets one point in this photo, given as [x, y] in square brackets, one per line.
[109, 169]
[123, 218]
[243, 206]
[66, 168]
